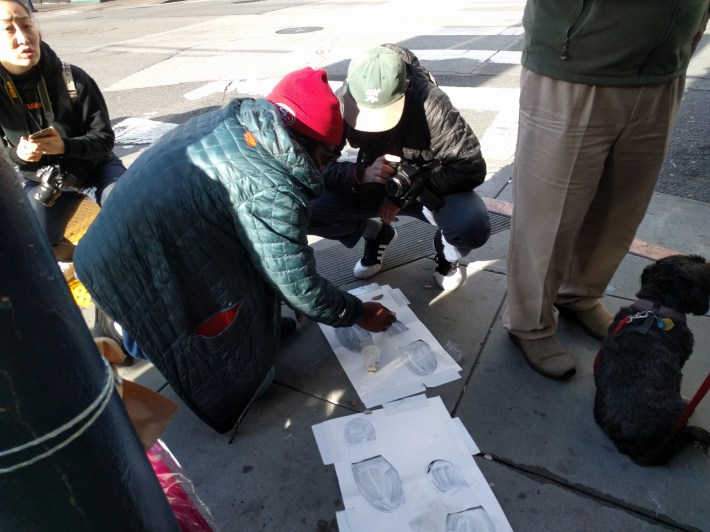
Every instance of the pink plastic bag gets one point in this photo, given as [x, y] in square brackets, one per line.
[190, 512]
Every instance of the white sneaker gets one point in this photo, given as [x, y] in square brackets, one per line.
[67, 269]
[447, 274]
[375, 249]
[451, 281]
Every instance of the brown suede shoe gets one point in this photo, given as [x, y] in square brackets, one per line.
[546, 356]
[595, 321]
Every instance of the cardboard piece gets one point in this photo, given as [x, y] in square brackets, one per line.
[149, 411]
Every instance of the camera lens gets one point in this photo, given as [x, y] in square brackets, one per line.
[50, 187]
[47, 195]
[397, 186]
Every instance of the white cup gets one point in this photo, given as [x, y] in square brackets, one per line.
[392, 160]
[371, 358]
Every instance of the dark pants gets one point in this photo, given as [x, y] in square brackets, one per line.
[54, 219]
[462, 218]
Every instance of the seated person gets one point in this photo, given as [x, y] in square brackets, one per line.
[55, 120]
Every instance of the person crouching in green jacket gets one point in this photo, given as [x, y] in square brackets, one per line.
[206, 234]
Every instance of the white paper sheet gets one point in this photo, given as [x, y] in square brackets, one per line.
[411, 359]
[408, 467]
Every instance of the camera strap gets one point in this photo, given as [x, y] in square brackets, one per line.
[430, 200]
[12, 93]
[420, 192]
[17, 102]
[69, 82]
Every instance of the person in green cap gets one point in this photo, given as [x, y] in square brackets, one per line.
[417, 157]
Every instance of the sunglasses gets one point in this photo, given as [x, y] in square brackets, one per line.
[312, 147]
[331, 156]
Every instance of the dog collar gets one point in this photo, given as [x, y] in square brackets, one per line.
[650, 306]
[649, 317]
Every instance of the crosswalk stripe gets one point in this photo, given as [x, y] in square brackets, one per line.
[498, 140]
[493, 56]
[477, 30]
[226, 86]
[476, 98]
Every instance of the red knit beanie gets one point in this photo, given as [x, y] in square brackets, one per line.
[308, 106]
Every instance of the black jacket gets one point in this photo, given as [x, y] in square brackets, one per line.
[83, 125]
[432, 134]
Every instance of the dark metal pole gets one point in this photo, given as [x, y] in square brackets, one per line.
[69, 456]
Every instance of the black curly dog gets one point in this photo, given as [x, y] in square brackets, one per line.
[638, 369]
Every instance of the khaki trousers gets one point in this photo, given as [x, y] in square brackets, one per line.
[587, 161]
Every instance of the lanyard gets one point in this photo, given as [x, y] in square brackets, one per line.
[20, 107]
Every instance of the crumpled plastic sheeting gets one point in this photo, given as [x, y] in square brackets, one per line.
[190, 512]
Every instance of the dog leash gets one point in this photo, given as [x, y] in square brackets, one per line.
[653, 316]
[704, 387]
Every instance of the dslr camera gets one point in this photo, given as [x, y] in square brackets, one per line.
[51, 179]
[402, 182]
[408, 184]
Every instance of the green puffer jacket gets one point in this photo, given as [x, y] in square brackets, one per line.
[213, 216]
[611, 42]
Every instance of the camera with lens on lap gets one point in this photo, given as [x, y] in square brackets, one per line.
[51, 179]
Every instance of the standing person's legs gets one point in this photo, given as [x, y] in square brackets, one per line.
[624, 193]
[560, 156]
[563, 140]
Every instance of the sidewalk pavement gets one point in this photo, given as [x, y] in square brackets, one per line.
[548, 463]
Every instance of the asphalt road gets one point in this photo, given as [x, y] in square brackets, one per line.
[687, 167]
[124, 40]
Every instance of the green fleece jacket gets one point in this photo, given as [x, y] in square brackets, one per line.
[611, 42]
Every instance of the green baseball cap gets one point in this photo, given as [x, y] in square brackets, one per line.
[376, 82]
